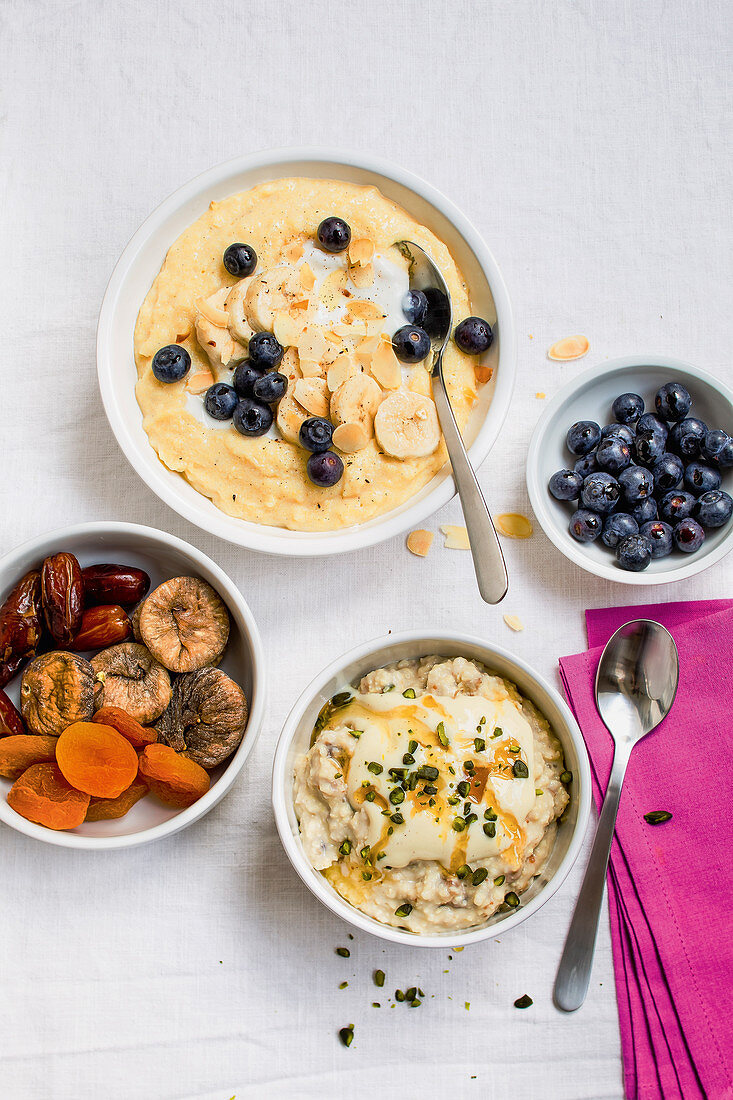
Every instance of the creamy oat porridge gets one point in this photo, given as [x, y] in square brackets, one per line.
[429, 797]
[261, 320]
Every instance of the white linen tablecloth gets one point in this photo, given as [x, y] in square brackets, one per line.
[589, 143]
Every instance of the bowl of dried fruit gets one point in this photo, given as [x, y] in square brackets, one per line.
[131, 685]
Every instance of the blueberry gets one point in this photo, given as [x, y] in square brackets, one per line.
[668, 471]
[252, 417]
[171, 364]
[565, 485]
[650, 425]
[688, 535]
[713, 509]
[583, 437]
[634, 553]
[240, 260]
[586, 465]
[648, 449]
[686, 437]
[600, 493]
[628, 407]
[585, 526]
[271, 388]
[701, 479]
[411, 344]
[316, 434]
[636, 483]
[673, 401]
[324, 469]
[474, 336]
[659, 534]
[334, 235]
[245, 377]
[415, 307]
[613, 455]
[437, 319]
[265, 351]
[644, 511]
[618, 431]
[617, 527]
[717, 448]
[221, 401]
[676, 505]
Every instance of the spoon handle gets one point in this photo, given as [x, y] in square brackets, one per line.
[573, 974]
[488, 560]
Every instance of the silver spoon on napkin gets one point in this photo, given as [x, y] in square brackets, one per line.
[488, 560]
[636, 682]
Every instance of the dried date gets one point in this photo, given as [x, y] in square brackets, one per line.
[106, 625]
[10, 721]
[114, 584]
[20, 625]
[62, 596]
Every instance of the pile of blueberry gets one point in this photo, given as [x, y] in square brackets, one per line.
[257, 386]
[648, 482]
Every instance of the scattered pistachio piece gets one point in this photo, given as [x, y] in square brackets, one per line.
[657, 817]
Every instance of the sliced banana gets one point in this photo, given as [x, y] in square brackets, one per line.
[239, 326]
[406, 425]
[290, 415]
[356, 401]
[345, 366]
[271, 292]
[212, 333]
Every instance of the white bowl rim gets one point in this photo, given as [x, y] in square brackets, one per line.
[536, 488]
[257, 703]
[250, 535]
[329, 897]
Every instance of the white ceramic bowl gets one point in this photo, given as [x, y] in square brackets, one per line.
[295, 740]
[162, 556]
[141, 261]
[589, 397]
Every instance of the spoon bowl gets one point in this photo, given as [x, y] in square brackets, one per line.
[636, 684]
[488, 559]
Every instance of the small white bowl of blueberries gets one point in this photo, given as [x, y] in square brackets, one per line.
[630, 470]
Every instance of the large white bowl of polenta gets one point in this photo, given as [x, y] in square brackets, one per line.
[265, 363]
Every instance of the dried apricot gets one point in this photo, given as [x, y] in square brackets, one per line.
[138, 736]
[96, 759]
[176, 780]
[20, 750]
[107, 809]
[43, 795]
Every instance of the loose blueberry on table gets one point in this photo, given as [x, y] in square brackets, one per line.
[649, 482]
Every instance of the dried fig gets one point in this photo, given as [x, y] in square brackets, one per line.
[62, 596]
[127, 676]
[121, 584]
[56, 689]
[184, 624]
[20, 625]
[206, 718]
[10, 721]
[106, 625]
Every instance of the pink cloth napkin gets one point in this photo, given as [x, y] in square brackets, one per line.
[670, 887]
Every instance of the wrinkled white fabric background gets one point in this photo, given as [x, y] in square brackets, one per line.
[589, 142]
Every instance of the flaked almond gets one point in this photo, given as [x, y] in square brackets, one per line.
[311, 344]
[312, 394]
[300, 306]
[287, 328]
[365, 310]
[571, 347]
[375, 328]
[309, 368]
[199, 382]
[362, 276]
[514, 622]
[419, 542]
[350, 438]
[513, 525]
[294, 251]
[385, 366]
[456, 538]
[331, 290]
[307, 278]
[365, 350]
[360, 251]
[339, 371]
[483, 374]
[332, 337]
[212, 311]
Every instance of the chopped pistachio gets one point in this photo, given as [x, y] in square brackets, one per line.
[409, 694]
[396, 796]
[490, 828]
[463, 871]
[379, 978]
[442, 735]
[403, 910]
[479, 875]
[511, 900]
[346, 1035]
[459, 825]
[523, 1002]
[479, 744]
[343, 985]
[342, 698]
[566, 777]
[657, 817]
[343, 952]
[412, 746]
[520, 769]
[397, 818]
[408, 758]
[345, 847]
[374, 767]
[499, 880]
